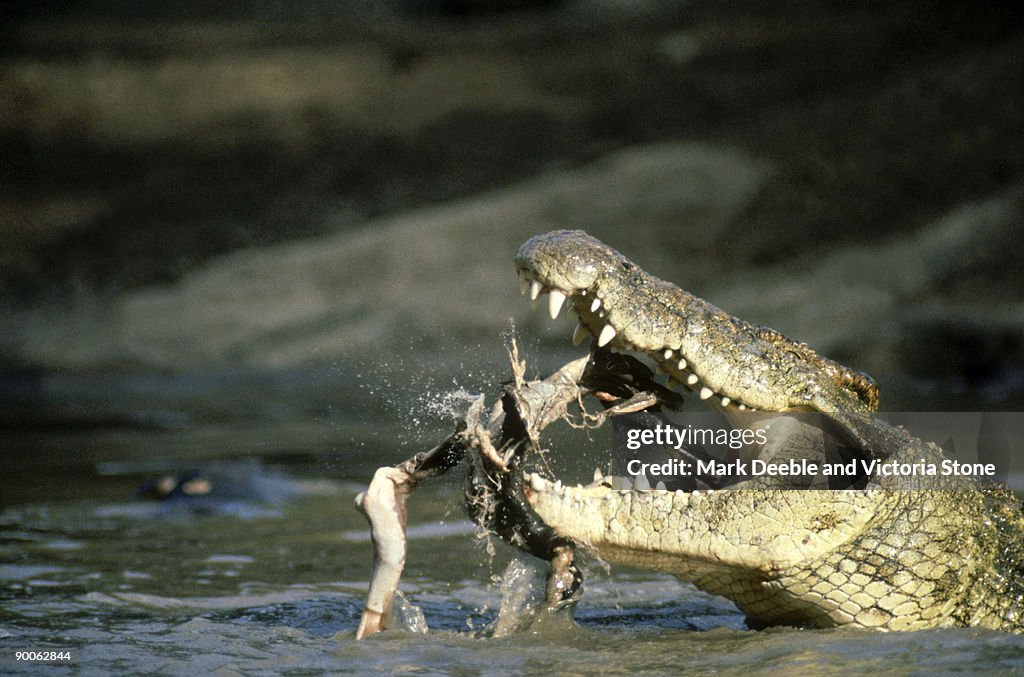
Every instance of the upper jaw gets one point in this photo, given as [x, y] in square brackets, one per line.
[718, 356]
[601, 317]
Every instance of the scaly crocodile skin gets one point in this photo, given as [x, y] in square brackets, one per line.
[901, 554]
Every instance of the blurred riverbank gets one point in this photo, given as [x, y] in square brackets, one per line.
[321, 196]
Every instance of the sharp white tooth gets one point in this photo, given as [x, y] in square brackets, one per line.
[726, 401]
[660, 486]
[696, 492]
[524, 286]
[558, 486]
[579, 335]
[536, 482]
[598, 475]
[641, 483]
[705, 393]
[607, 334]
[741, 407]
[555, 301]
[681, 365]
[692, 379]
[668, 354]
[595, 304]
[535, 288]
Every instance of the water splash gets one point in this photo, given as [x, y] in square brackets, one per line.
[422, 406]
[522, 597]
[449, 405]
[408, 616]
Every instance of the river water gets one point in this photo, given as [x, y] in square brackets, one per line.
[263, 569]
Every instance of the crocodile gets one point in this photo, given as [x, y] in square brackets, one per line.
[889, 550]
[900, 553]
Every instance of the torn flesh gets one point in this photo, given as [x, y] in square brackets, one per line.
[493, 449]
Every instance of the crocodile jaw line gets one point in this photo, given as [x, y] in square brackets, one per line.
[608, 314]
[690, 536]
[722, 358]
[694, 343]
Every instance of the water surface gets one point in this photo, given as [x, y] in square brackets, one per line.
[267, 574]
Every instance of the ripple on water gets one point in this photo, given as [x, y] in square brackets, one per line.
[25, 572]
[297, 588]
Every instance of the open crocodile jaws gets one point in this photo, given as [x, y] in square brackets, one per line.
[896, 555]
[697, 344]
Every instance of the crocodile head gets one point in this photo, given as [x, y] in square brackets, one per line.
[720, 357]
[893, 558]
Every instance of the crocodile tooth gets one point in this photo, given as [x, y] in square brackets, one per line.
[681, 365]
[741, 406]
[555, 301]
[668, 353]
[607, 334]
[705, 393]
[579, 335]
[536, 482]
[660, 486]
[595, 304]
[726, 401]
[598, 475]
[692, 379]
[641, 483]
[558, 486]
[535, 288]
